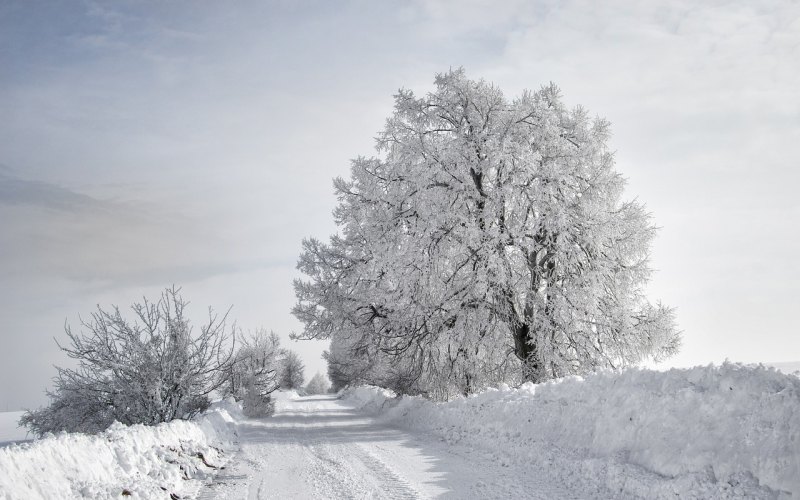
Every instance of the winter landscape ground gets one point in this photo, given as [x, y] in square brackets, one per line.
[709, 432]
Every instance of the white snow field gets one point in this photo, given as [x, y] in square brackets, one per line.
[708, 432]
[321, 447]
[731, 431]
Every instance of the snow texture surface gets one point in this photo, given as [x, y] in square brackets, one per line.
[136, 461]
[319, 447]
[731, 431]
[708, 432]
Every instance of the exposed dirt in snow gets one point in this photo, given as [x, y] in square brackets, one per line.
[319, 447]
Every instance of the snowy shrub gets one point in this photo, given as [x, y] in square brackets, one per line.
[256, 404]
[146, 371]
[254, 373]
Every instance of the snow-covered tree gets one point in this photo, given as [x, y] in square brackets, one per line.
[345, 367]
[488, 241]
[253, 375]
[146, 371]
[292, 369]
[318, 384]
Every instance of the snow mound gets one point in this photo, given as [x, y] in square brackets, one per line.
[730, 431]
[226, 409]
[124, 461]
[283, 398]
[284, 395]
[369, 399]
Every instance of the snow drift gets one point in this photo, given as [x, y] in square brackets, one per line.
[134, 462]
[707, 432]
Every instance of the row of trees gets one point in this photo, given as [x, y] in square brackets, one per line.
[488, 242]
[258, 368]
[155, 368]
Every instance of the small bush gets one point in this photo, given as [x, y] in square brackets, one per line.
[146, 371]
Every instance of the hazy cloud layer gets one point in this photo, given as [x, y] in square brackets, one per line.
[145, 144]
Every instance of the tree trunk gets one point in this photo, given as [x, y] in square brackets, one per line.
[525, 350]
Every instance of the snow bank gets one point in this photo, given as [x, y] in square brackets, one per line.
[284, 395]
[283, 398]
[134, 462]
[370, 399]
[707, 432]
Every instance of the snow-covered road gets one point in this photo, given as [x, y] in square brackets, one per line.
[721, 433]
[318, 447]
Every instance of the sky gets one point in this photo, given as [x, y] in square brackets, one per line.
[145, 144]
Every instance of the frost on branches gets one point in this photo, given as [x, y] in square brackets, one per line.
[259, 368]
[253, 374]
[487, 242]
[146, 371]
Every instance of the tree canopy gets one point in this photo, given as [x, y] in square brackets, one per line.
[488, 241]
[292, 371]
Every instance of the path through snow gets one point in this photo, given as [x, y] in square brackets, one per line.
[319, 447]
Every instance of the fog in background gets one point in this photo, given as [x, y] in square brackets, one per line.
[149, 143]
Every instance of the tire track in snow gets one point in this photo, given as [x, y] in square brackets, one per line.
[395, 486]
[349, 471]
[321, 448]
